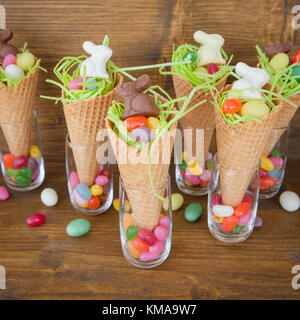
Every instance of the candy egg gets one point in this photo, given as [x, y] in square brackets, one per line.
[190, 57]
[74, 84]
[176, 202]
[296, 73]
[193, 212]
[135, 253]
[266, 164]
[280, 61]
[161, 233]
[78, 227]
[35, 152]
[32, 163]
[242, 209]
[164, 221]
[8, 59]
[36, 219]
[91, 84]
[96, 190]
[222, 211]
[84, 191]
[275, 173]
[49, 197]
[289, 201]
[212, 68]
[134, 122]
[254, 109]
[127, 221]
[232, 106]
[194, 180]
[14, 72]
[94, 203]
[80, 201]
[22, 181]
[4, 195]
[276, 153]
[142, 134]
[25, 60]
[296, 57]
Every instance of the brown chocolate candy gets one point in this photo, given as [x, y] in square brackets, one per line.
[272, 49]
[5, 48]
[137, 103]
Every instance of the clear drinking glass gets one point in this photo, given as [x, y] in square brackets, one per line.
[194, 162]
[273, 166]
[22, 161]
[236, 223]
[145, 233]
[96, 196]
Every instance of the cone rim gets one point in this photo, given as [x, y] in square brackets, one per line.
[32, 74]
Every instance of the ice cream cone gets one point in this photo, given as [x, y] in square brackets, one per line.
[16, 110]
[84, 120]
[240, 148]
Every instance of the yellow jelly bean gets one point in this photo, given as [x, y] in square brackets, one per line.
[187, 183]
[127, 221]
[153, 123]
[83, 206]
[185, 156]
[96, 190]
[280, 61]
[194, 168]
[35, 152]
[126, 205]
[116, 204]
[266, 164]
[176, 202]
[201, 69]
[217, 219]
[132, 250]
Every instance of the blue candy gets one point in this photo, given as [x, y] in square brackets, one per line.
[89, 84]
[275, 173]
[84, 191]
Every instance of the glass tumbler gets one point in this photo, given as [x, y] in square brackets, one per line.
[194, 160]
[145, 225]
[22, 161]
[232, 220]
[90, 184]
[273, 166]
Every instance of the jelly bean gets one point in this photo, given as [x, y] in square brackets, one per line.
[275, 173]
[9, 59]
[25, 60]
[106, 173]
[85, 206]
[242, 209]
[194, 168]
[13, 172]
[208, 164]
[216, 198]
[49, 197]
[248, 198]
[193, 212]
[182, 172]
[254, 109]
[132, 250]
[91, 84]
[140, 245]
[96, 190]
[204, 184]
[94, 203]
[134, 122]
[212, 68]
[153, 123]
[209, 156]
[147, 256]
[266, 183]
[289, 201]
[194, 180]
[84, 191]
[296, 57]
[258, 222]
[176, 202]
[78, 199]
[158, 247]
[229, 223]
[276, 153]
[19, 162]
[146, 236]
[142, 134]
[35, 152]
[190, 57]
[14, 72]
[36, 174]
[36, 219]
[232, 106]
[206, 175]
[8, 160]
[126, 205]
[22, 181]
[101, 180]
[280, 61]
[127, 221]
[296, 73]
[237, 229]
[244, 220]
[263, 173]
[132, 232]
[217, 219]
[266, 164]
[187, 183]
[222, 211]
[164, 221]
[277, 161]
[161, 233]
[4, 195]
[74, 179]
[26, 172]
[78, 227]
[201, 69]
[76, 84]
[32, 163]
[182, 165]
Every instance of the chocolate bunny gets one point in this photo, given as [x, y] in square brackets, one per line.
[137, 103]
[5, 48]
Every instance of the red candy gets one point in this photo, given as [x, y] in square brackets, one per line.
[266, 183]
[242, 209]
[263, 173]
[134, 122]
[296, 57]
[147, 236]
[94, 203]
[232, 106]
[230, 222]
[19, 162]
[8, 160]
[140, 245]
[248, 198]
[212, 68]
[106, 173]
[36, 219]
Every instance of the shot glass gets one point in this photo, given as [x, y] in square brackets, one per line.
[273, 166]
[90, 184]
[145, 225]
[22, 161]
[194, 163]
[232, 202]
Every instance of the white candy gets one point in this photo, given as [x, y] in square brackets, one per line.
[222, 211]
[209, 51]
[95, 65]
[289, 201]
[13, 71]
[49, 197]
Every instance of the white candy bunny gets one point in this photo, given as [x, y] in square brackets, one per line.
[209, 51]
[252, 78]
[95, 65]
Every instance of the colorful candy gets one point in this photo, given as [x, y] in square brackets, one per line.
[80, 201]
[49, 197]
[244, 220]
[142, 134]
[94, 203]
[9, 59]
[26, 172]
[276, 153]
[190, 57]
[266, 183]
[35, 152]
[19, 162]
[22, 181]
[296, 57]
[148, 256]
[127, 221]
[96, 190]
[275, 173]
[230, 222]
[101, 180]
[266, 164]
[296, 73]
[289, 201]
[78, 227]
[74, 179]
[25, 60]
[4, 195]
[254, 109]
[277, 161]
[176, 202]
[32, 164]
[134, 122]
[280, 61]
[164, 221]
[222, 211]
[248, 198]
[212, 68]
[8, 160]
[146, 236]
[140, 245]
[242, 209]
[161, 233]
[36, 219]
[132, 250]
[83, 191]
[193, 212]
[153, 123]
[194, 168]
[158, 247]
[14, 72]
[116, 205]
[232, 106]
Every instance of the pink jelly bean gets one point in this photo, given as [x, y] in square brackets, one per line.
[101, 180]
[209, 156]
[245, 218]
[78, 199]
[263, 173]
[277, 161]
[158, 247]
[148, 256]
[146, 236]
[194, 180]
[206, 174]
[9, 59]
[36, 219]
[161, 233]
[4, 195]
[164, 221]
[74, 179]
[73, 84]
[19, 162]
[36, 174]
[248, 198]
[212, 68]
[216, 198]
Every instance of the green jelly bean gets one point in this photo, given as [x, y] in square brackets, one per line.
[22, 181]
[182, 165]
[276, 153]
[193, 212]
[26, 172]
[13, 172]
[296, 73]
[78, 227]
[208, 164]
[131, 232]
[237, 229]
[190, 56]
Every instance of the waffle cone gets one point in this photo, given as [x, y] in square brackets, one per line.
[146, 207]
[84, 119]
[240, 148]
[16, 110]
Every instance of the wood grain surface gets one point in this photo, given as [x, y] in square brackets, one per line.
[44, 263]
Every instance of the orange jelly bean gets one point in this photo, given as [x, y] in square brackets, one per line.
[232, 106]
[134, 122]
[8, 159]
[140, 245]
[132, 250]
[242, 209]
[230, 222]
[127, 221]
[94, 203]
